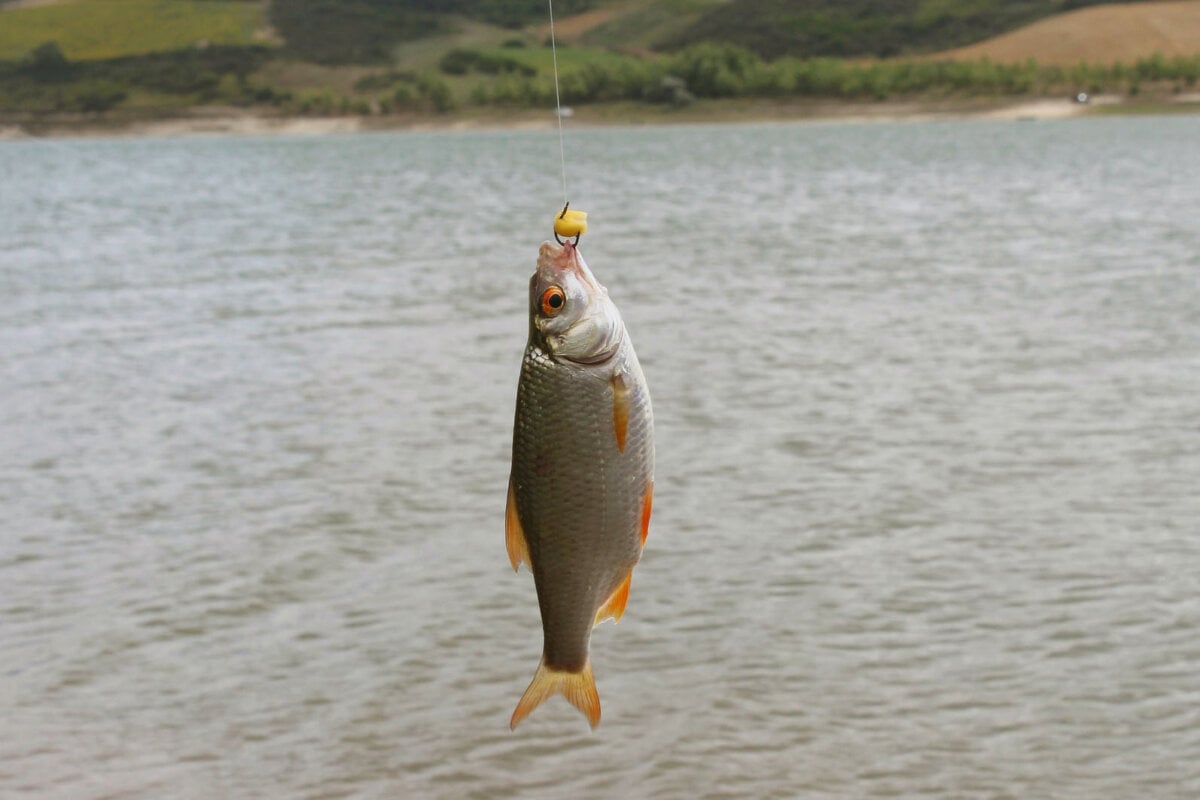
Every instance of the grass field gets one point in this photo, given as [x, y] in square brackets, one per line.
[95, 29]
[1098, 35]
[425, 53]
[635, 26]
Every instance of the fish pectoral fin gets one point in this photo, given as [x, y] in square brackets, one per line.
[647, 503]
[514, 534]
[579, 688]
[614, 606]
[621, 399]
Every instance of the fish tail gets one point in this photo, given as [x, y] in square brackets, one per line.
[578, 687]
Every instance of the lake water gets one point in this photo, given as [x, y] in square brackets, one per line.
[927, 503]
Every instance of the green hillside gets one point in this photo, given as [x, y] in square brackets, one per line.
[366, 31]
[845, 28]
[362, 31]
[94, 29]
[371, 31]
[416, 57]
[647, 25]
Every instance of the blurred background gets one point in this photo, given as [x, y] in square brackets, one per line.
[926, 409]
[387, 63]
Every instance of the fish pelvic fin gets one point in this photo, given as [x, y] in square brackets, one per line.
[514, 534]
[621, 400]
[579, 688]
[614, 606]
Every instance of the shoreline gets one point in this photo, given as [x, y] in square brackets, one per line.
[231, 121]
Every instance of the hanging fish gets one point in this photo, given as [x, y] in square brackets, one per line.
[582, 478]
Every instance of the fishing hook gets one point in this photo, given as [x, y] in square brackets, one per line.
[563, 215]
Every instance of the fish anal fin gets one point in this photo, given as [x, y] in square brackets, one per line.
[647, 502]
[514, 534]
[621, 399]
[579, 688]
[614, 606]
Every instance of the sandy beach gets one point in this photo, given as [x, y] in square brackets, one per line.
[247, 122]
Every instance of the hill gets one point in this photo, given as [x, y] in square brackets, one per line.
[392, 58]
[856, 28]
[366, 31]
[376, 31]
[321, 31]
[1099, 35]
[96, 29]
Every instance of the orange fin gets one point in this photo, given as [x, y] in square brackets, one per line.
[514, 534]
[647, 502]
[578, 687]
[621, 394]
[614, 606]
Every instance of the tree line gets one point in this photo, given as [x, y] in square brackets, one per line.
[47, 82]
[715, 71]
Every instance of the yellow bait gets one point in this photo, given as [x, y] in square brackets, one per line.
[570, 223]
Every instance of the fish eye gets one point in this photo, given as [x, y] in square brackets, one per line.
[553, 300]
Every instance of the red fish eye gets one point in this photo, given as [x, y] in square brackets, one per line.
[553, 299]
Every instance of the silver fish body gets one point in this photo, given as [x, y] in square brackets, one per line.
[581, 485]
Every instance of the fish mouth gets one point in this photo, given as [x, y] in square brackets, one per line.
[566, 258]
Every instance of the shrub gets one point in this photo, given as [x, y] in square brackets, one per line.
[46, 62]
[712, 70]
[403, 98]
[320, 103]
[96, 96]
[436, 92]
[382, 80]
[460, 61]
[1153, 68]
[510, 91]
[229, 88]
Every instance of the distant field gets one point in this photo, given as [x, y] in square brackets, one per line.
[1098, 35]
[635, 26]
[92, 29]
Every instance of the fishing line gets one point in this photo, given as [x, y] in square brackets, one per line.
[562, 150]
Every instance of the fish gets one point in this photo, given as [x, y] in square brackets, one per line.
[582, 481]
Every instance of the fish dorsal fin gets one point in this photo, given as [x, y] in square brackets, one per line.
[514, 534]
[614, 606]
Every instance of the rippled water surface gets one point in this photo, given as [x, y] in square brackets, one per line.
[927, 518]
